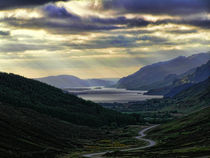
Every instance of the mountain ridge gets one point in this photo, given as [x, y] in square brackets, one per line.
[183, 81]
[68, 81]
[150, 74]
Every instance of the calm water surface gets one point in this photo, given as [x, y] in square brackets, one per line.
[110, 95]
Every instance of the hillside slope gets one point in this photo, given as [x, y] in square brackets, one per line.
[201, 73]
[18, 91]
[25, 133]
[38, 120]
[189, 100]
[183, 81]
[150, 74]
[189, 136]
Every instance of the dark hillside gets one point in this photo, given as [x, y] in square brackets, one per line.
[188, 137]
[183, 81]
[25, 133]
[191, 99]
[18, 91]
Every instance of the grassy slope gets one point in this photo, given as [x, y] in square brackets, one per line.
[25, 133]
[181, 82]
[187, 101]
[114, 140]
[193, 98]
[21, 92]
[187, 137]
[37, 120]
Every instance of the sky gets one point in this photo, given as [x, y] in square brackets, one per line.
[98, 38]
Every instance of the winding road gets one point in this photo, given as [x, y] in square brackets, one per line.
[140, 137]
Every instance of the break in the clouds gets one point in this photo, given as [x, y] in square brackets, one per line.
[99, 38]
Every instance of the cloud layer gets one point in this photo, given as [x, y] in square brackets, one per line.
[173, 7]
[9, 4]
[114, 36]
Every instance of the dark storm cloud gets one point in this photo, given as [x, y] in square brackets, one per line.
[4, 33]
[53, 11]
[58, 12]
[159, 6]
[181, 31]
[121, 20]
[202, 23]
[9, 4]
[94, 23]
[121, 41]
[20, 47]
[58, 20]
[60, 27]
[112, 41]
[106, 42]
[153, 39]
[140, 22]
[74, 25]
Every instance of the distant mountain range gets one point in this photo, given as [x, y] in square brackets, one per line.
[183, 81]
[67, 81]
[163, 74]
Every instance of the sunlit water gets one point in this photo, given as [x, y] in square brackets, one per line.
[110, 95]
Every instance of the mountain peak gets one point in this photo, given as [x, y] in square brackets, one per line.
[158, 71]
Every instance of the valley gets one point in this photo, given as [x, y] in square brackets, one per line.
[141, 134]
[104, 78]
[40, 120]
[186, 137]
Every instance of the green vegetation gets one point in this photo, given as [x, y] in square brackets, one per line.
[182, 82]
[187, 137]
[189, 100]
[25, 133]
[115, 139]
[18, 91]
[28, 134]
[193, 98]
[38, 120]
[149, 111]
